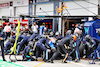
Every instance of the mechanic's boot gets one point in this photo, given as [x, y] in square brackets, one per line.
[51, 61]
[32, 59]
[45, 60]
[64, 61]
[4, 60]
[18, 54]
[77, 60]
[36, 60]
[73, 59]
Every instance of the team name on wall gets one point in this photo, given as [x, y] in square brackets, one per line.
[39, 1]
[4, 5]
[20, 2]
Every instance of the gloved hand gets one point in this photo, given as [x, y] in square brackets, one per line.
[53, 50]
[27, 56]
[18, 43]
[48, 50]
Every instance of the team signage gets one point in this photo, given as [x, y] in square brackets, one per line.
[40, 1]
[20, 3]
[4, 5]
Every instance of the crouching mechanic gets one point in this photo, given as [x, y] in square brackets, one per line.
[8, 45]
[91, 44]
[61, 49]
[76, 43]
[23, 43]
[40, 47]
[28, 51]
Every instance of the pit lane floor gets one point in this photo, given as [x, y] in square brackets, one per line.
[57, 63]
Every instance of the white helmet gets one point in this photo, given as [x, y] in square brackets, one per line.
[45, 28]
[57, 33]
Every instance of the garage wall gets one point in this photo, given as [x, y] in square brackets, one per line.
[4, 12]
[75, 9]
[93, 8]
[21, 10]
[33, 9]
[99, 2]
[48, 7]
[0, 13]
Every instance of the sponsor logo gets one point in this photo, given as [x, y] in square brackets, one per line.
[97, 30]
[86, 30]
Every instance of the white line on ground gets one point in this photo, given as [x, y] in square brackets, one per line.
[20, 64]
[78, 63]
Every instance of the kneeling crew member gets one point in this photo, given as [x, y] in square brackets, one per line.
[27, 53]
